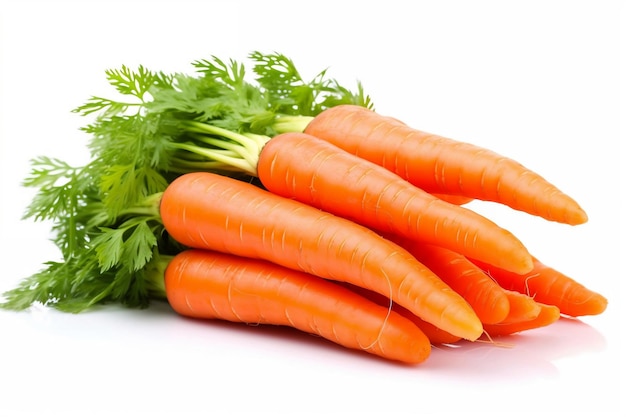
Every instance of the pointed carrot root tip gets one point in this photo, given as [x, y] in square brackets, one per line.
[578, 217]
[527, 265]
[598, 306]
[474, 332]
[418, 352]
[593, 307]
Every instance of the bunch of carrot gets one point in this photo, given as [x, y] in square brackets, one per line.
[409, 269]
[347, 225]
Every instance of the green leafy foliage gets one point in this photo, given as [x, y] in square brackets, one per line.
[105, 215]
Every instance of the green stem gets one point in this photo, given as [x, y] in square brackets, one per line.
[285, 123]
[243, 149]
[241, 164]
[154, 275]
[183, 166]
[251, 145]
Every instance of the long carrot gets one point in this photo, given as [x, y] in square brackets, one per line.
[210, 211]
[207, 284]
[487, 298]
[318, 173]
[549, 286]
[441, 165]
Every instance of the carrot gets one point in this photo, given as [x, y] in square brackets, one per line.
[522, 308]
[548, 314]
[441, 165]
[489, 301]
[318, 173]
[210, 211]
[211, 285]
[547, 285]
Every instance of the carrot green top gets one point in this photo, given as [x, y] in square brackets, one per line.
[105, 215]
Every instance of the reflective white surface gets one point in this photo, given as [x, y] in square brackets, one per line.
[538, 81]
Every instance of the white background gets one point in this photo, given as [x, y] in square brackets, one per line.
[538, 81]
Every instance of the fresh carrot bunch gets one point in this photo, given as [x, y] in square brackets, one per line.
[293, 203]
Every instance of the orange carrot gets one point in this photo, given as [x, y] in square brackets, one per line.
[548, 314]
[206, 284]
[521, 308]
[549, 286]
[441, 165]
[317, 173]
[210, 211]
[488, 299]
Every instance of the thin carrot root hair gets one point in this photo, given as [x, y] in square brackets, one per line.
[491, 341]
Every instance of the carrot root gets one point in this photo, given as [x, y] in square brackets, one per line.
[206, 284]
[442, 165]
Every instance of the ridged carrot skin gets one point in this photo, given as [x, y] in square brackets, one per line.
[549, 286]
[212, 285]
[343, 184]
[210, 211]
[487, 298]
[442, 165]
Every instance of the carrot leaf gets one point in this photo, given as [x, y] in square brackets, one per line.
[155, 127]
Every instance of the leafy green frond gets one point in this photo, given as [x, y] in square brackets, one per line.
[135, 83]
[231, 74]
[290, 94]
[130, 246]
[124, 186]
[104, 215]
[104, 106]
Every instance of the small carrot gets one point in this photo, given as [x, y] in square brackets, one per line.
[318, 173]
[488, 299]
[210, 211]
[547, 285]
[441, 165]
[211, 285]
[548, 314]
[522, 308]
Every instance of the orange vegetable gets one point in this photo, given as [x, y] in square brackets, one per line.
[211, 285]
[210, 211]
[441, 165]
[548, 314]
[547, 285]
